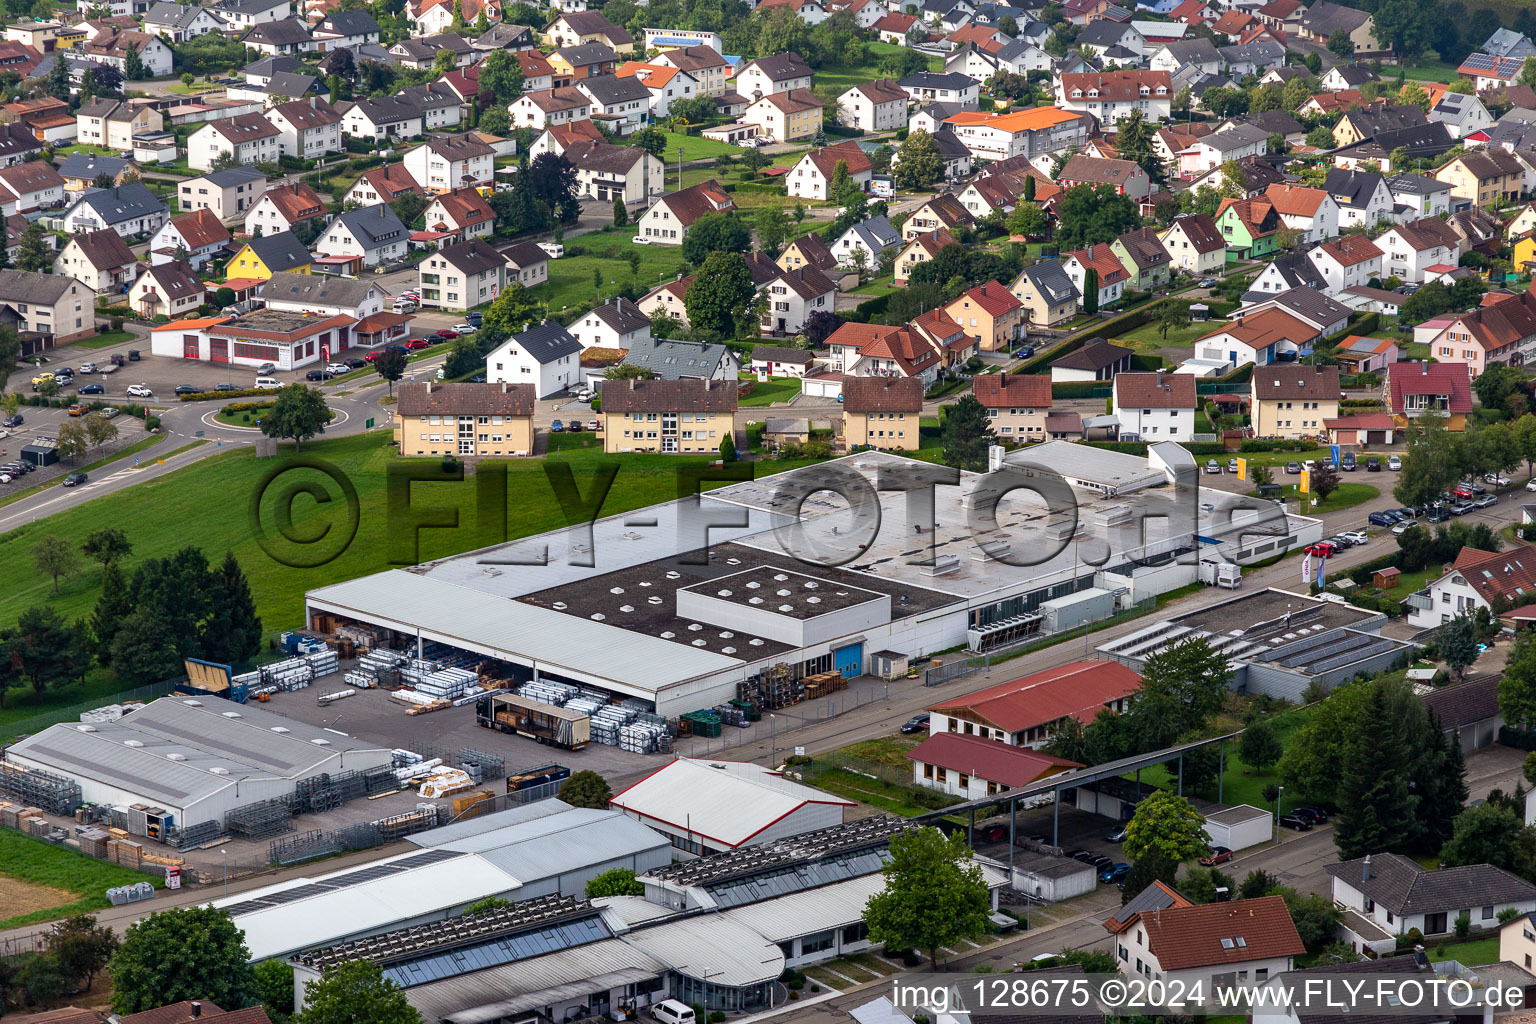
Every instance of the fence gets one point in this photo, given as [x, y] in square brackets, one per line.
[38, 722]
[798, 716]
[943, 673]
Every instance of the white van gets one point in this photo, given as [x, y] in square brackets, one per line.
[670, 1011]
[404, 306]
[266, 384]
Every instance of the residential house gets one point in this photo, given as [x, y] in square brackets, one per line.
[1210, 152]
[434, 17]
[199, 234]
[1110, 274]
[421, 54]
[945, 337]
[877, 106]
[346, 29]
[1503, 331]
[882, 412]
[1292, 400]
[1032, 133]
[308, 128]
[492, 419]
[80, 171]
[1517, 936]
[862, 245]
[766, 76]
[668, 416]
[1324, 18]
[1461, 114]
[557, 139]
[1365, 123]
[383, 185]
[1310, 211]
[1123, 176]
[166, 289]
[383, 119]
[250, 137]
[1312, 307]
[1367, 355]
[811, 176]
[181, 23]
[1347, 76]
[1198, 52]
[991, 315]
[113, 123]
[1111, 95]
[461, 215]
[1490, 176]
[550, 107]
[57, 309]
[228, 194]
[1250, 227]
[286, 208]
[1417, 195]
[112, 46]
[323, 295]
[1361, 196]
[942, 211]
[895, 27]
[579, 28]
[262, 257]
[1026, 713]
[545, 356]
[809, 251]
[462, 276]
[1195, 244]
[665, 85]
[527, 264]
[1258, 338]
[27, 187]
[1489, 72]
[538, 73]
[1478, 228]
[1113, 39]
[1413, 247]
[275, 38]
[1046, 292]
[446, 165]
[793, 296]
[667, 220]
[1347, 261]
[373, 234]
[868, 350]
[942, 87]
[1144, 259]
[1097, 360]
[1224, 943]
[1286, 271]
[772, 361]
[1155, 406]
[1398, 895]
[607, 172]
[1017, 404]
[679, 360]
[704, 64]
[243, 14]
[615, 324]
[130, 210]
[786, 116]
[1252, 58]
[623, 104]
[669, 299]
[918, 251]
[100, 260]
[1445, 388]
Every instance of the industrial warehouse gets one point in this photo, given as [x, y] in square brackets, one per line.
[630, 606]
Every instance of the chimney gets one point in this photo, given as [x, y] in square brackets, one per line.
[1365, 869]
[197, 1009]
[1419, 959]
[1159, 378]
[632, 382]
[504, 386]
[1424, 368]
[429, 387]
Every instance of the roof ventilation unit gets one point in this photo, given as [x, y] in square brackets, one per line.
[231, 714]
[193, 703]
[219, 771]
[133, 743]
[176, 757]
[85, 728]
[558, 606]
[320, 741]
[280, 728]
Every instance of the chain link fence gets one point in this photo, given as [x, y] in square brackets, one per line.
[71, 713]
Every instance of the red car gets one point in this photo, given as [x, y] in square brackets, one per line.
[417, 343]
[1219, 855]
[371, 356]
[447, 334]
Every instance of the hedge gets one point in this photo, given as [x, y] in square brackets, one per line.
[865, 311]
[203, 396]
[1139, 448]
[1076, 388]
[1520, 739]
[1275, 445]
[763, 187]
[1367, 323]
[1145, 362]
[246, 406]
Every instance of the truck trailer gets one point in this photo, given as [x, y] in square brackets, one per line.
[547, 723]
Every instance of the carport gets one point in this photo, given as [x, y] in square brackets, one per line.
[39, 454]
[1071, 780]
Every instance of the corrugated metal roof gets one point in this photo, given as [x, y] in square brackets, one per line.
[728, 804]
[815, 910]
[546, 980]
[512, 629]
[543, 848]
[632, 910]
[488, 822]
[712, 946]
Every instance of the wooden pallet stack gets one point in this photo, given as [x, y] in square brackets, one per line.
[823, 683]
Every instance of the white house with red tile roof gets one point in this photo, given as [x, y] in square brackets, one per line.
[1028, 711]
[1410, 249]
[1259, 338]
[667, 220]
[970, 768]
[1311, 211]
[200, 232]
[1477, 579]
[667, 85]
[893, 27]
[1242, 944]
[1414, 388]
[1346, 262]
[1102, 259]
[1155, 406]
[874, 350]
[1016, 403]
[811, 176]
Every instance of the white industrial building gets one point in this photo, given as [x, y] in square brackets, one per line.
[540, 849]
[708, 807]
[196, 759]
[632, 606]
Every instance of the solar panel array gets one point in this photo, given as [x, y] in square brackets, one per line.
[1487, 65]
[754, 861]
[797, 878]
[342, 881]
[497, 952]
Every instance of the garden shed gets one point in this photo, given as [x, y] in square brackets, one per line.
[1385, 579]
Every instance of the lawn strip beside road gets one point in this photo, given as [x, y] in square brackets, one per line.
[105, 339]
[36, 863]
[137, 446]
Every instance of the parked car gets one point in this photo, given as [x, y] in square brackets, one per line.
[1497, 479]
[1394, 463]
[556, 427]
[87, 368]
[1461, 508]
[1218, 855]
[1486, 501]
[1293, 468]
[1231, 465]
[1116, 835]
[337, 368]
[1402, 528]
[13, 421]
[6, 478]
[1209, 282]
[1086, 856]
[573, 427]
[40, 379]
[1024, 352]
[1316, 815]
[595, 426]
[110, 413]
[1438, 515]
[418, 343]
[356, 364]
[1380, 519]
[1373, 465]
[188, 389]
[1101, 862]
[1356, 536]
[447, 334]
[917, 723]
[464, 328]
[995, 833]
[477, 318]
[321, 375]
[641, 240]
[78, 409]
[554, 250]
[1213, 467]
[1296, 822]
[139, 391]
[75, 479]
[266, 370]
[133, 355]
[226, 385]
[92, 389]
[1347, 462]
[1114, 873]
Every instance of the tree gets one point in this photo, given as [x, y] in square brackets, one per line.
[1090, 291]
[496, 120]
[1168, 825]
[144, 650]
[966, 435]
[31, 254]
[1340, 44]
[728, 448]
[1200, 884]
[354, 992]
[444, 62]
[1376, 807]
[1172, 316]
[1259, 747]
[1316, 917]
[391, 366]
[934, 895]
[82, 947]
[772, 229]
[1146, 869]
[1528, 72]
[716, 233]
[107, 545]
[193, 952]
[819, 326]
[113, 605]
[1182, 686]
[651, 139]
[274, 988]
[1133, 142]
[133, 65]
[586, 789]
[1324, 481]
[464, 358]
[232, 630]
[299, 412]
[1093, 215]
[1517, 684]
[1027, 219]
[723, 287]
[1314, 62]
[54, 556]
[1500, 380]
[1490, 834]
[98, 429]
[58, 80]
[1457, 643]
[1258, 882]
[72, 441]
[918, 163]
[552, 180]
[615, 882]
[620, 213]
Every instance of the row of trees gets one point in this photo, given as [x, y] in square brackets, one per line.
[1437, 458]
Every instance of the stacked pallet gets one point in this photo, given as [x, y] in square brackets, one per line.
[93, 842]
[125, 852]
[445, 684]
[644, 738]
[609, 720]
[546, 692]
[823, 683]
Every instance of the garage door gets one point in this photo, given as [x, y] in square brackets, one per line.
[849, 660]
[218, 350]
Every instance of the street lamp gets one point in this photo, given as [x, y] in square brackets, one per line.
[225, 855]
[773, 736]
[1279, 793]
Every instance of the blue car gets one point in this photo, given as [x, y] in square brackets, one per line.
[1114, 873]
[556, 427]
[1381, 519]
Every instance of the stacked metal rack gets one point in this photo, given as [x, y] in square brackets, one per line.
[193, 837]
[647, 734]
[546, 692]
[52, 793]
[261, 820]
[330, 790]
[609, 720]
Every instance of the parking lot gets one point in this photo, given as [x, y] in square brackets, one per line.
[40, 421]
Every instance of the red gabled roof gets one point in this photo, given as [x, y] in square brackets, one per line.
[1103, 259]
[1012, 390]
[1451, 379]
[988, 759]
[1222, 933]
[1351, 250]
[1507, 575]
[1076, 690]
[992, 298]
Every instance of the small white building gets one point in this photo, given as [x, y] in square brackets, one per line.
[375, 234]
[250, 137]
[616, 324]
[545, 355]
[1240, 827]
[307, 128]
[711, 806]
[1410, 249]
[1347, 262]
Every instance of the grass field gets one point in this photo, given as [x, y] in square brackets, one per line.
[774, 390]
[1468, 954]
[242, 418]
[876, 288]
[106, 339]
[1240, 784]
[1430, 71]
[59, 873]
[1348, 495]
[1149, 337]
[570, 278]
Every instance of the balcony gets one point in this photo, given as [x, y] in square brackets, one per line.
[1420, 601]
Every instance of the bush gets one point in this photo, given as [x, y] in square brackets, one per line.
[866, 311]
[1463, 925]
[1413, 938]
[203, 396]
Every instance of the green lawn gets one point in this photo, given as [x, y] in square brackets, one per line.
[195, 89]
[215, 493]
[777, 389]
[696, 147]
[243, 417]
[1149, 337]
[1432, 71]
[570, 278]
[106, 339]
[1468, 954]
[1240, 784]
[32, 860]
[1348, 495]
[876, 288]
